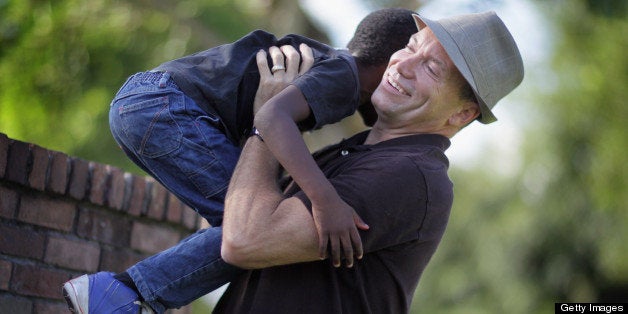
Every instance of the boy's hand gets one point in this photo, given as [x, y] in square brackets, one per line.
[336, 223]
[274, 80]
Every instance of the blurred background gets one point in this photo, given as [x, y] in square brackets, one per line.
[541, 204]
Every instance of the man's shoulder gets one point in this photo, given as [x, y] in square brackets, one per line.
[418, 148]
[410, 154]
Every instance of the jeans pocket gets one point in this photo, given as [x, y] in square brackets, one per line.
[207, 170]
[148, 124]
[207, 157]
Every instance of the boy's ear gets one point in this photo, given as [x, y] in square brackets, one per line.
[467, 113]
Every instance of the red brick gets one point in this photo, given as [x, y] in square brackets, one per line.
[59, 173]
[21, 242]
[37, 281]
[175, 208]
[5, 274]
[17, 162]
[39, 170]
[119, 259]
[138, 202]
[115, 197]
[153, 238]
[73, 254]
[42, 306]
[4, 153]
[8, 202]
[47, 212]
[190, 218]
[158, 202]
[99, 184]
[79, 179]
[102, 226]
[15, 304]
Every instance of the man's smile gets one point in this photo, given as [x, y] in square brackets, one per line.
[391, 79]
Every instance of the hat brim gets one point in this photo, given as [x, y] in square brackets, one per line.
[452, 49]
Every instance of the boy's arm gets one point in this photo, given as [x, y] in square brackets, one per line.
[261, 227]
[335, 220]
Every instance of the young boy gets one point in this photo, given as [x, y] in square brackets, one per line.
[183, 121]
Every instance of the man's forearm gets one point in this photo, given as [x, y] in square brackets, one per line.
[261, 227]
[252, 186]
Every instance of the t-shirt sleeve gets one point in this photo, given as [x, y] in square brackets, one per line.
[331, 90]
[391, 197]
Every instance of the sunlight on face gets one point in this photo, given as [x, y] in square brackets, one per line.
[420, 84]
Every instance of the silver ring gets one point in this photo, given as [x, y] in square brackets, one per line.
[276, 68]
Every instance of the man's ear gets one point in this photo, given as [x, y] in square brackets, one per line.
[468, 112]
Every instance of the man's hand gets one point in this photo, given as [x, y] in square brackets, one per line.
[274, 81]
[336, 224]
[335, 220]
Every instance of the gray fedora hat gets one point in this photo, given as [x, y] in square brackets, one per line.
[484, 52]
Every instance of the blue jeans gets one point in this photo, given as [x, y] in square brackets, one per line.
[171, 138]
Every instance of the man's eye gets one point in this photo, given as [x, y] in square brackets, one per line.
[431, 70]
[408, 48]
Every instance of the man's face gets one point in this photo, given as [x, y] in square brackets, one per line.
[419, 85]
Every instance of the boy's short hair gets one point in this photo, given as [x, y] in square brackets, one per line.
[380, 34]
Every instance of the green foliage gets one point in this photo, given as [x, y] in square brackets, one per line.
[590, 142]
[62, 61]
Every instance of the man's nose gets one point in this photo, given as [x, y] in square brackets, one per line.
[407, 66]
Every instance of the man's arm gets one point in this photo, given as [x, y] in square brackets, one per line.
[261, 228]
[335, 220]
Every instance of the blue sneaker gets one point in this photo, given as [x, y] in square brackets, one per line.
[100, 293]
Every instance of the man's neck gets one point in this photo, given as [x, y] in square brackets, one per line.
[381, 132]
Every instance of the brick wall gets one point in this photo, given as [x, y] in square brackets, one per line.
[61, 217]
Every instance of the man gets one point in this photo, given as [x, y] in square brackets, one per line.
[183, 121]
[452, 72]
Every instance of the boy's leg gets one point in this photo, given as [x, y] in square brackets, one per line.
[169, 136]
[169, 279]
[183, 273]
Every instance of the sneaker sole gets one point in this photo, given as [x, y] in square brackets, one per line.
[77, 302]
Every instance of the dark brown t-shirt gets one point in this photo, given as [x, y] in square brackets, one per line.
[400, 188]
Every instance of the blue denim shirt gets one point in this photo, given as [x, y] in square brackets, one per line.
[223, 80]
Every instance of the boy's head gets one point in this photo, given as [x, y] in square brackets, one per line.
[377, 37]
[380, 34]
